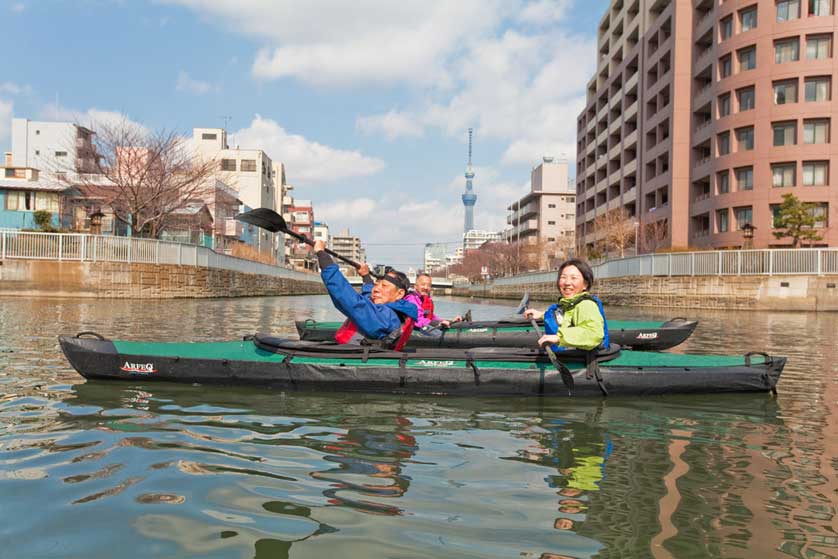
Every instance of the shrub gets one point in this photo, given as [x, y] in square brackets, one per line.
[43, 219]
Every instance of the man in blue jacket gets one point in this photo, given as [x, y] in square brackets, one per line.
[378, 312]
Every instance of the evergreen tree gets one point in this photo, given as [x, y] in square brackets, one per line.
[797, 221]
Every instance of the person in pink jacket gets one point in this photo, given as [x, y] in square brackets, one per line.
[427, 323]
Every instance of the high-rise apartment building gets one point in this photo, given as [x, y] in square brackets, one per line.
[548, 211]
[59, 150]
[702, 114]
[348, 246]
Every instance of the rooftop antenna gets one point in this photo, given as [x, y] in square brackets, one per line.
[226, 120]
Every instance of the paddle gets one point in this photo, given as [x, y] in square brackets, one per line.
[567, 378]
[269, 220]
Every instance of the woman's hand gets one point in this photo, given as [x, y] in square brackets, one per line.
[319, 245]
[548, 339]
[533, 314]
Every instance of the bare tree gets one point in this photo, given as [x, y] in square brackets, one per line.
[144, 177]
[654, 234]
[617, 230]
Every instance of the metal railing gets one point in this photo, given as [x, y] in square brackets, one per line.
[100, 248]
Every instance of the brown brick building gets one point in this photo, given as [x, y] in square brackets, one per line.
[703, 113]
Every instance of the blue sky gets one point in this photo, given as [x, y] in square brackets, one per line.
[366, 102]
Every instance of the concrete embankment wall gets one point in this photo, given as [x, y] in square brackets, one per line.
[48, 278]
[780, 293]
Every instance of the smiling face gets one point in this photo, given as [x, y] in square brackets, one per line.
[423, 285]
[385, 292]
[571, 282]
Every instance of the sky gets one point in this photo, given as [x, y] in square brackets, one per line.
[366, 102]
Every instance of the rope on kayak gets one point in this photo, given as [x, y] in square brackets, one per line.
[592, 371]
[287, 362]
[471, 364]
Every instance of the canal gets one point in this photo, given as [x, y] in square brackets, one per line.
[149, 470]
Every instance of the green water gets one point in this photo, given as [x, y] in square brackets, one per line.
[99, 469]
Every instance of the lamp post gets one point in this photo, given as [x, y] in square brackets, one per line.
[96, 222]
[748, 235]
[636, 236]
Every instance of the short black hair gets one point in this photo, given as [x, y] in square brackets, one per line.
[584, 269]
[402, 282]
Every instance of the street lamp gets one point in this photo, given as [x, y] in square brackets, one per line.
[636, 236]
[96, 222]
[748, 235]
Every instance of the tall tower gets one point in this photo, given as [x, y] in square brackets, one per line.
[469, 197]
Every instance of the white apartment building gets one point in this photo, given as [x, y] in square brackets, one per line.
[348, 246]
[251, 172]
[548, 212]
[321, 233]
[434, 256]
[475, 238]
[59, 150]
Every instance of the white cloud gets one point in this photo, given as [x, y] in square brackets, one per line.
[17, 7]
[14, 89]
[307, 162]
[334, 212]
[188, 84]
[392, 125]
[6, 112]
[544, 12]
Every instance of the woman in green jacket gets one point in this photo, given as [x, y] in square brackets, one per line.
[577, 320]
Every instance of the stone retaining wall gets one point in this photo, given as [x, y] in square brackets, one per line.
[780, 293]
[48, 278]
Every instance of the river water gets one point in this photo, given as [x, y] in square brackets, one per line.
[101, 469]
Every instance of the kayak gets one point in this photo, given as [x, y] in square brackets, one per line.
[642, 336]
[302, 365]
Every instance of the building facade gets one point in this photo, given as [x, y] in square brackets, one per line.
[475, 238]
[703, 114]
[57, 149]
[348, 246]
[434, 256]
[250, 172]
[547, 214]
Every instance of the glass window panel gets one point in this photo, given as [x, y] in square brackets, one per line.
[787, 50]
[785, 92]
[747, 58]
[743, 216]
[819, 7]
[724, 66]
[785, 133]
[723, 142]
[815, 173]
[724, 105]
[815, 131]
[721, 220]
[745, 138]
[745, 178]
[788, 10]
[818, 89]
[723, 182]
[746, 98]
[818, 47]
[726, 28]
[748, 18]
[783, 175]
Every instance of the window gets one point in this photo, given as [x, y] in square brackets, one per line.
[206, 136]
[816, 131]
[819, 7]
[37, 152]
[788, 10]
[37, 132]
[747, 58]
[724, 105]
[723, 143]
[228, 164]
[785, 92]
[775, 215]
[248, 165]
[724, 66]
[745, 139]
[820, 213]
[818, 47]
[726, 28]
[743, 215]
[721, 220]
[746, 98]
[787, 50]
[748, 18]
[61, 154]
[745, 178]
[551, 205]
[815, 173]
[785, 133]
[723, 182]
[551, 223]
[783, 175]
[818, 89]
[28, 201]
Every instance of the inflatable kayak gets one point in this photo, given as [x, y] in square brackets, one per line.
[298, 365]
[643, 336]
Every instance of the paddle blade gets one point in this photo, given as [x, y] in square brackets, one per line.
[524, 304]
[264, 218]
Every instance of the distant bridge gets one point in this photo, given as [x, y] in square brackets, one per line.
[438, 283]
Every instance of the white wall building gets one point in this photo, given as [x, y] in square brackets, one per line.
[348, 246]
[548, 212]
[475, 238]
[434, 256]
[321, 233]
[251, 172]
[57, 149]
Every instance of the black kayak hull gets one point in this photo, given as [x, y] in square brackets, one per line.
[433, 372]
[509, 334]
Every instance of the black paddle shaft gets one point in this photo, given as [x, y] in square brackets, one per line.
[567, 378]
[269, 220]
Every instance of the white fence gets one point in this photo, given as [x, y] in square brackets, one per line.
[96, 248]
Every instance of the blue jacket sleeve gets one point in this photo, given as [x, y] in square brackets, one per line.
[374, 321]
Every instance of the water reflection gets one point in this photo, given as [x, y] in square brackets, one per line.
[170, 470]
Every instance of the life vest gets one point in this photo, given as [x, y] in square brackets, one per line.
[550, 318]
[396, 339]
[427, 306]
